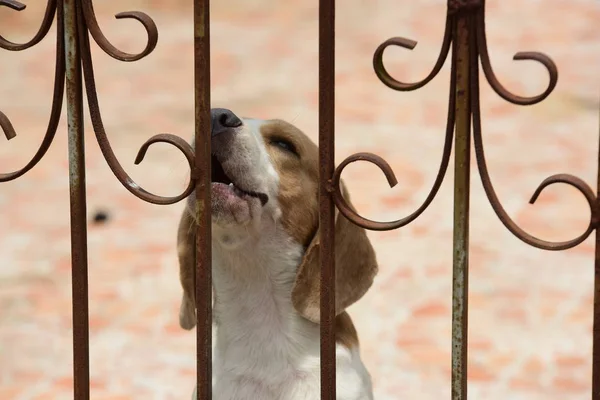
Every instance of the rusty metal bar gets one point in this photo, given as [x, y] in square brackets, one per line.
[462, 173]
[79, 262]
[202, 172]
[326, 205]
[596, 328]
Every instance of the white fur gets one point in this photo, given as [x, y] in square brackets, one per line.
[263, 349]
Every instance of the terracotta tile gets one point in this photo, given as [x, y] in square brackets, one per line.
[570, 385]
[431, 309]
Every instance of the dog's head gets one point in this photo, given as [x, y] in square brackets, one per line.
[265, 174]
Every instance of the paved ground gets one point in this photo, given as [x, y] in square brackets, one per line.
[530, 310]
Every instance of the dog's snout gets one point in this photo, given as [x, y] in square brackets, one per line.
[222, 120]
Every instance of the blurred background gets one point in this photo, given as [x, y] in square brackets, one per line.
[530, 310]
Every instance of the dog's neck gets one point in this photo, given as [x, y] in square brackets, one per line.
[253, 311]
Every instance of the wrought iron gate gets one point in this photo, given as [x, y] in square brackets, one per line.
[464, 39]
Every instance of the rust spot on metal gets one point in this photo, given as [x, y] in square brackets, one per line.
[200, 24]
[199, 209]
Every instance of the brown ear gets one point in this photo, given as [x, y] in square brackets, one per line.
[355, 268]
[186, 246]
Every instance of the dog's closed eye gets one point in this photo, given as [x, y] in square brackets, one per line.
[285, 145]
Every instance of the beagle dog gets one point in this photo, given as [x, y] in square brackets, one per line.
[265, 267]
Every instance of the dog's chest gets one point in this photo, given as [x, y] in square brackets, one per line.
[238, 376]
[263, 349]
[270, 353]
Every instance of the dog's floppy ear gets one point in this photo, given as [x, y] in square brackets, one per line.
[355, 268]
[186, 252]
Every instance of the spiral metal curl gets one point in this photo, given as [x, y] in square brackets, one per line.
[87, 22]
[359, 220]
[529, 55]
[15, 5]
[59, 84]
[42, 31]
[7, 128]
[457, 9]
[394, 84]
[109, 48]
[409, 44]
[109, 155]
[571, 180]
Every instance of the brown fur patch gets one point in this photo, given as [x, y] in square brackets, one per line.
[356, 264]
[186, 246]
[355, 269]
[298, 178]
[345, 332]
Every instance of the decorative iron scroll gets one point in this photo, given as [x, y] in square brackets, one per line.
[465, 35]
[87, 24]
[75, 22]
[475, 12]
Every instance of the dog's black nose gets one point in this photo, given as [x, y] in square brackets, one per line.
[222, 120]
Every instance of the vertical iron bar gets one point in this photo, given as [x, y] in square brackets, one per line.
[596, 328]
[79, 262]
[460, 278]
[202, 174]
[326, 205]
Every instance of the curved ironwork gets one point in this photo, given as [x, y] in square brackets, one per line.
[525, 55]
[409, 44]
[42, 31]
[15, 5]
[486, 181]
[103, 142]
[75, 18]
[465, 35]
[93, 27]
[476, 10]
[359, 220]
[59, 85]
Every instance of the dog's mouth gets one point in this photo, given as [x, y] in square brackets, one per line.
[218, 176]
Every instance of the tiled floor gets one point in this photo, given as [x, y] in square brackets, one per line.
[530, 310]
